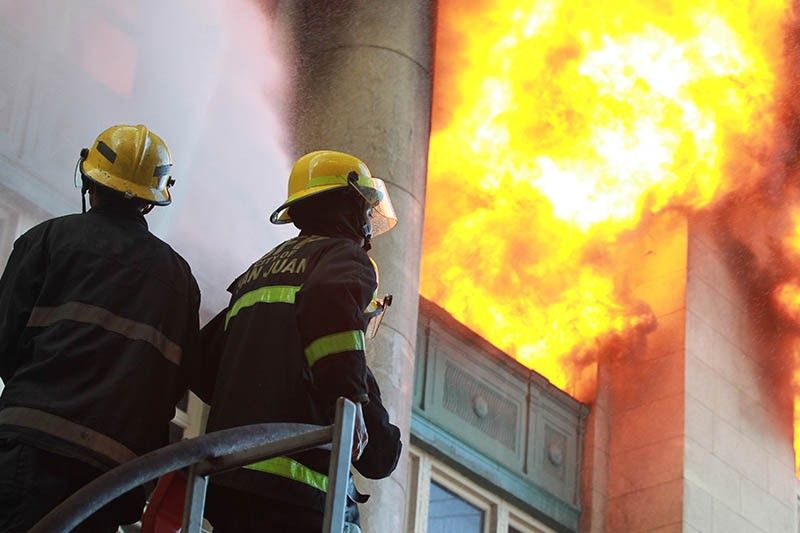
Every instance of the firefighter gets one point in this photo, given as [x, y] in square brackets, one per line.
[292, 341]
[97, 321]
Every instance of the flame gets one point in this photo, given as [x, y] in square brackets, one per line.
[786, 299]
[793, 350]
[791, 241]
[558, 127]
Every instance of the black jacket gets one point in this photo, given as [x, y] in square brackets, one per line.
[98, 324]
[291, 342]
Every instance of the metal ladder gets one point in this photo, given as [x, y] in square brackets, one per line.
[214, 453]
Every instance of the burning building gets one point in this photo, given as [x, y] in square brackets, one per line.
[625, 187]
[608, 339]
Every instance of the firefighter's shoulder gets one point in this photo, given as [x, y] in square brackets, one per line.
[347, 257]
[171, 261]
[41, 231]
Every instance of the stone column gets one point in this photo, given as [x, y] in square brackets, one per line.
[594, 459]
[364, 86]
[739, 472]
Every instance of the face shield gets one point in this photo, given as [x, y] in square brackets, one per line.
[374, 192]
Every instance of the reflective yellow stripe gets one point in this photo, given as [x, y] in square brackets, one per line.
[291, 469]
[321, 181]
[345, 341]
[268, 295]
[41, 317]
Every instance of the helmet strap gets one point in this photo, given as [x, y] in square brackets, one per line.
[84, 190]
[366, 230]
[79, 171]
[366, 225]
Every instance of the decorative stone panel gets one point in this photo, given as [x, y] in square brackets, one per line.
[468, 397]
[480, 406]
[489, 414]
[554, 439]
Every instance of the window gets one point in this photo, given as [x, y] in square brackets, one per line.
[441, 500]
[449, 513]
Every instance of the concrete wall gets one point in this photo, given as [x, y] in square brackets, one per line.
[739, 459]
[700, 423]
[646, 403]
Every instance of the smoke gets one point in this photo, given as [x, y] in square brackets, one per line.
[758, 229]
[208, 76]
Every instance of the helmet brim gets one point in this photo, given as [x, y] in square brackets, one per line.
[281, 214]
[148, 194]
[376, 195]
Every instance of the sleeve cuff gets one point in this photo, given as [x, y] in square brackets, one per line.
[359, 398]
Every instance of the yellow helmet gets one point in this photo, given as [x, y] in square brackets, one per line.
[326, 170]
[132, 160]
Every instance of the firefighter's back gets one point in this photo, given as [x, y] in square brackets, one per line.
[116, 312]
[265, 373]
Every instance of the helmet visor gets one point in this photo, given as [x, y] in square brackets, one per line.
[384, 217]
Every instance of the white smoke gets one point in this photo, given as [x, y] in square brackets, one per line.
[206, 75]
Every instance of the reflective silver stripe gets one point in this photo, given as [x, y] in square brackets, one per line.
[92, 314]
[67, 431]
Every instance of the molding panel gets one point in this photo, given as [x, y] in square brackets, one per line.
[494, 419]
[468, 397]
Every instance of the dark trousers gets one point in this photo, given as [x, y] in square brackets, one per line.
[34, 481]
[234, 511]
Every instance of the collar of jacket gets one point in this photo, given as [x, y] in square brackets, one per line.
[127, 213]
[334, 234]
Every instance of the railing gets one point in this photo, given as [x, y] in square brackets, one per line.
[212, 454]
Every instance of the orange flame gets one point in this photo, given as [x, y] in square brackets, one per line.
[793, 349]
[786, 299]
[559, 126]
